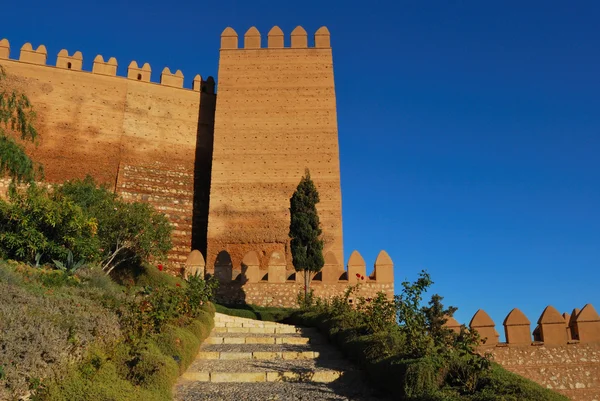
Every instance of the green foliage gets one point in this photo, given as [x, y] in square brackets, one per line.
[305, 230]
[17, 120]
[69, 266]
[40, 225]
[45, 324]
[86, 318]
[156, 307]
[127, 232]
[266, 313]
[406, 350]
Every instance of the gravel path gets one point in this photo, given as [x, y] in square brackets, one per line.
[356, 391]
[271, 365]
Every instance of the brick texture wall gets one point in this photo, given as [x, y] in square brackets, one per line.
[275, 116]
[139, 138]
[572, 370]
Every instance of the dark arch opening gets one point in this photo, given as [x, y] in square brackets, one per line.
[223, 267]
[139, 77]
[69, 65]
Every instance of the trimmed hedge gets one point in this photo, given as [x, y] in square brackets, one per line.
[270, 314]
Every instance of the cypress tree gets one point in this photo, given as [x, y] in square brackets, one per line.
[16, 124]
[305, 230]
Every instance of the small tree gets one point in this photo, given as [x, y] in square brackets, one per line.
[305, 230]
[16, 123]
[127, 231]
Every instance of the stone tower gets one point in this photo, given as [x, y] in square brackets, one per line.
[275, 117]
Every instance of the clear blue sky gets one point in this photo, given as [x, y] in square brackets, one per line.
[469, 130]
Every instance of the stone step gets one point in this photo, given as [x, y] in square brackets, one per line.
[250, 324]
[297, 340]
[261, 330]
[260, 355]
[252, 370]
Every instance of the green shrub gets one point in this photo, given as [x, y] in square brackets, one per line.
[36, 220]
[272, 314]
[128, 232]
[178, 343]
[407, 351]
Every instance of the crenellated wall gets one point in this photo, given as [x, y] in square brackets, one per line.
[269, 281]
[275, 117]
[562, 353]
[150, 142]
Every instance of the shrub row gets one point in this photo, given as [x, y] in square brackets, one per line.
[407, 350]
[421, 378]
[271, 314]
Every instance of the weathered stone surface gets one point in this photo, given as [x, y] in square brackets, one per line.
[275, 105]
[148, 142]
[573, 369]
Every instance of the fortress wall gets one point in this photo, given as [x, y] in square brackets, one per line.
[79, 119]
[562, 353]
[286, 294]
[136, 136]
[275, 116]
[275, 285]
[572, 370]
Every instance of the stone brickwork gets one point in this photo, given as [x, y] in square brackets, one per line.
[275, 117]
[562, 353]
[285, 294]
[278, 285]
[147, 141]
[572, 369]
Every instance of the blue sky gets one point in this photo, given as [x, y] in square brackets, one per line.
[469, 131]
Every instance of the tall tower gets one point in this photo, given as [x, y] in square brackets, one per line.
[275, 117]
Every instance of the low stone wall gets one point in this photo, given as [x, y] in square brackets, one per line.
[572, 369]
[286, 294]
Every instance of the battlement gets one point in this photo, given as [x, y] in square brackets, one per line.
[553, 329]
[277, 284]
[109, 67]
[275, 39]
[333, 272]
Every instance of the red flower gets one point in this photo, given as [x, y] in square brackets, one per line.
[358, 275]
[178, 285]
[160, 267]
[362, 277]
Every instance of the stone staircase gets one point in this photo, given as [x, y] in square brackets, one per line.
[246, 359]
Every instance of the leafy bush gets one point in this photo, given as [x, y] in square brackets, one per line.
[127, 231]
[408, 352]
[38, 221]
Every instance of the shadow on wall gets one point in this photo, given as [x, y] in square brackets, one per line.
[278, 286]
[203, 164]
